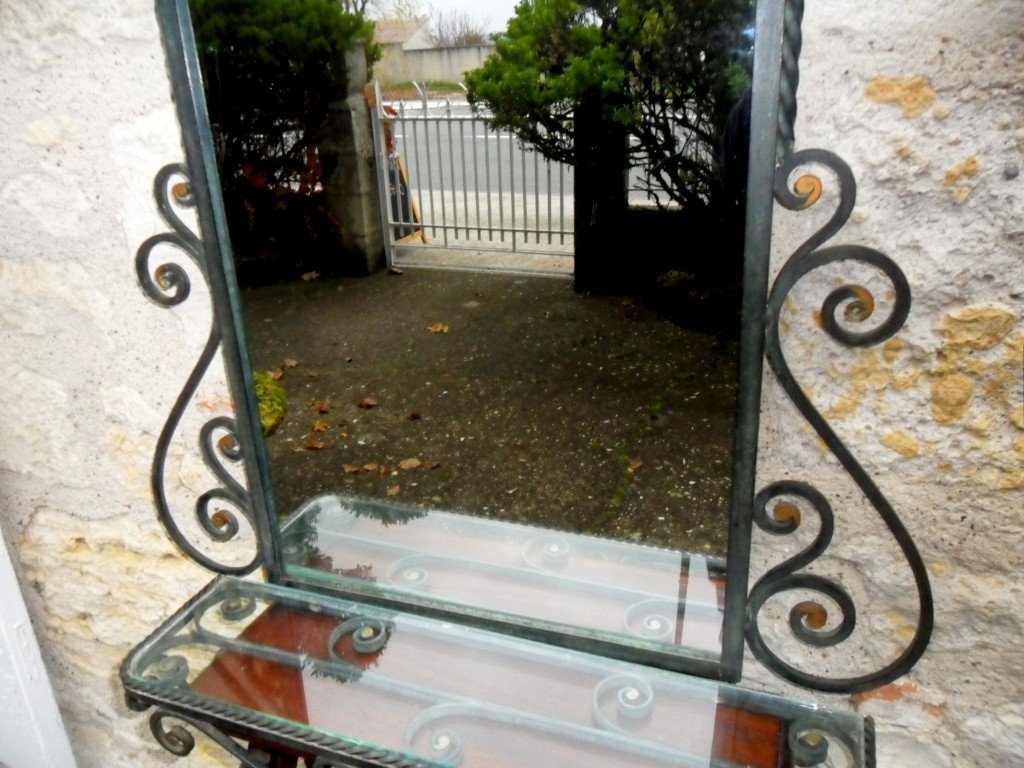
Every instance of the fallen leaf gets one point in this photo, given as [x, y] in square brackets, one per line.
[216, 405]
[368, 402]
[289, 363]
[410, 464]
[315, 445]
[439, 328]
[394, 490]
[310, 276]
[415, 416]
[276, 375]
[350, 470]
[321, 426]
[371, 467]
[321, 406]
[432, 464]
[395, 271]
[634, 466]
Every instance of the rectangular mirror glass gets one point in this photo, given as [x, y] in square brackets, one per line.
[485, 442]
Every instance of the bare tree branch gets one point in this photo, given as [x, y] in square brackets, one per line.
[457, 29]
[391, 9]
[357, 7]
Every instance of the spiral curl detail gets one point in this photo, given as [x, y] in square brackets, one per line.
[844, 307]
[177, 740]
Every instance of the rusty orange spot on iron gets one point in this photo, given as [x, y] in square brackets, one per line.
[810, 187]
[862, 307]
[220, 518]
[181, 191]
[786, 511]
[814, 615]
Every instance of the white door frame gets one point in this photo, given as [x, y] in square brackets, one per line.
[32, 732]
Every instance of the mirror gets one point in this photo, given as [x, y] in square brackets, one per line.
[492, 446]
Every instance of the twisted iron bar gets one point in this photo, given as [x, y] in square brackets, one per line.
[792, 44]
[168, 285]
[330, 750]
[808, 620]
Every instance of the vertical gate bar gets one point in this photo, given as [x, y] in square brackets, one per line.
[561, 203]
[551, 221]
[451, 164]
[536, 193]
[476, 175]
[440, 180]
[384, 199]
[501, 185]
[406, 123]
[512, 144]
[465, 174]
[487, 180]
[526, 194]
[430, 174]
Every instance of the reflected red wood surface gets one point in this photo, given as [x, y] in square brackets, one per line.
[742, 737]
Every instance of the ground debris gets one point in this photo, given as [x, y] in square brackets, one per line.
[320, 406]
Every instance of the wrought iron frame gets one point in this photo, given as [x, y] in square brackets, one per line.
[238, 441]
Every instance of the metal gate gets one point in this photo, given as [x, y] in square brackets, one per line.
[457, 192]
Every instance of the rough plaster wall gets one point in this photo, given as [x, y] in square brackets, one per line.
[925, 100]
[90, 366]
[430, 64]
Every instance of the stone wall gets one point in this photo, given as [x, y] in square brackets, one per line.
[91, 367]
[923, 99]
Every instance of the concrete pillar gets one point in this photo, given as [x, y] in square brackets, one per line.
[349, 175]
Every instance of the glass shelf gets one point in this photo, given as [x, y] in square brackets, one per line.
[318, 675]
[665, 602]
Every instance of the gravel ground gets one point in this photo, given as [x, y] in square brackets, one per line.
[504, 396]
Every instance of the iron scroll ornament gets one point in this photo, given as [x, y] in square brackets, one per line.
[808, 620]
[168, 286]
[177, 740]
